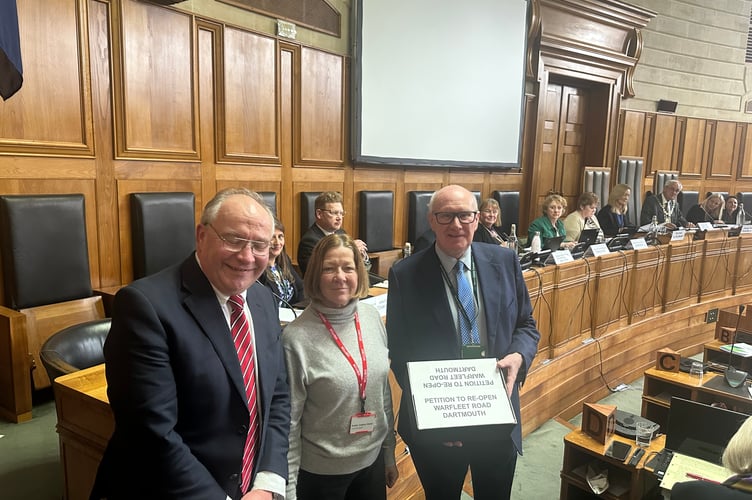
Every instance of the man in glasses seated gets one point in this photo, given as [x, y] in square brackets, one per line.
[329, 217]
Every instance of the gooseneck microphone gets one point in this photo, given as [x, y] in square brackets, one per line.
[735, 378]
[287, 304]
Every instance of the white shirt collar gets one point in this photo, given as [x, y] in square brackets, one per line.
[448, 262]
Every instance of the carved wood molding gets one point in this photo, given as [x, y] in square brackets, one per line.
[603, 34]
[318, 15]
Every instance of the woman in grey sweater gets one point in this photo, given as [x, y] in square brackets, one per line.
[342, 426]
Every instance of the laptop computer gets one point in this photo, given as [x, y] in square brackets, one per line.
[553, 244]
[696, 436]
[589, 236]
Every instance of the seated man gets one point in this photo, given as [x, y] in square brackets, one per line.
[665, 207]
[329, 215]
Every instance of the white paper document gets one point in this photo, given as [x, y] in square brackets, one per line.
[686, 468]
[459, 393]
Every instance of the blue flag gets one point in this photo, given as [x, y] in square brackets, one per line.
[11, 71]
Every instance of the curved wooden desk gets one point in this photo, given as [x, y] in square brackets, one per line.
[602, 319]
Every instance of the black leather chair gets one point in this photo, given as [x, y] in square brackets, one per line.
[688, 199]
[307, 210]
[746, 198]
[417, 214]
[509, 203]
[376, 219]
[270, 198]
[75, 348]
[46, 287]
[163, 230]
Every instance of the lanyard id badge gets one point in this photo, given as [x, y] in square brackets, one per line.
[473, 351]
[362, 423]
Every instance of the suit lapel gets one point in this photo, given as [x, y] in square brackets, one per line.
[489, 279]
[437, 302]
[202, 303]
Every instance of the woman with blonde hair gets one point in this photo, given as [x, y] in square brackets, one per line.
[613, 217]
[488, 225]
[709, 210]
[549, 225]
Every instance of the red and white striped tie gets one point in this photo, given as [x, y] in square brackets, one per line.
[241, 334]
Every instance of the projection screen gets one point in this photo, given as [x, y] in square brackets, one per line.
[438, 82]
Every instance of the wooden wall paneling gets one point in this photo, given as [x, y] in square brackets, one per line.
[154, 75]
[609, 286]
[209, 64]
[540, 286]
[632, 131]
[472, 181]
[718, 264]
[100, 21]
[51, 113]
[682, 275]
[320, 121]
[662, 150]
[744, 169]
[693, 148]
[743, 270]
[571, 306]
[722, 164]
[249, 113]
[124, 189]
[644, 284]
[289, 65]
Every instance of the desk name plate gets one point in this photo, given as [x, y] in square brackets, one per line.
[459, 393]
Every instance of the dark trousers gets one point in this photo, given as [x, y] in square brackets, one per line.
[365, 484]
[442, 469]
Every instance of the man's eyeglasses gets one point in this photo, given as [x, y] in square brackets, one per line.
[236, 244]
[448, 217]
[336, 213]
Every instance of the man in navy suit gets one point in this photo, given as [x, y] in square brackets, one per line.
[423, 319]
[329, 213]
[174, 376]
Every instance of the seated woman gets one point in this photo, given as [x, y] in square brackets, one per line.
[550, 225]
[613, 216]
[583, 217]
[708, 210]
[730, 210]
[280, 277]
[738, 459]
[488, 227]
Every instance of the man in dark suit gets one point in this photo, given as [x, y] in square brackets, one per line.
[179, 397]
[423, 317]
[665, 207]
[329, 215]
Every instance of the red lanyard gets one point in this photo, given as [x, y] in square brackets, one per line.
[362, 379]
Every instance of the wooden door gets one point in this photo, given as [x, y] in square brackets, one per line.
[562, 146]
